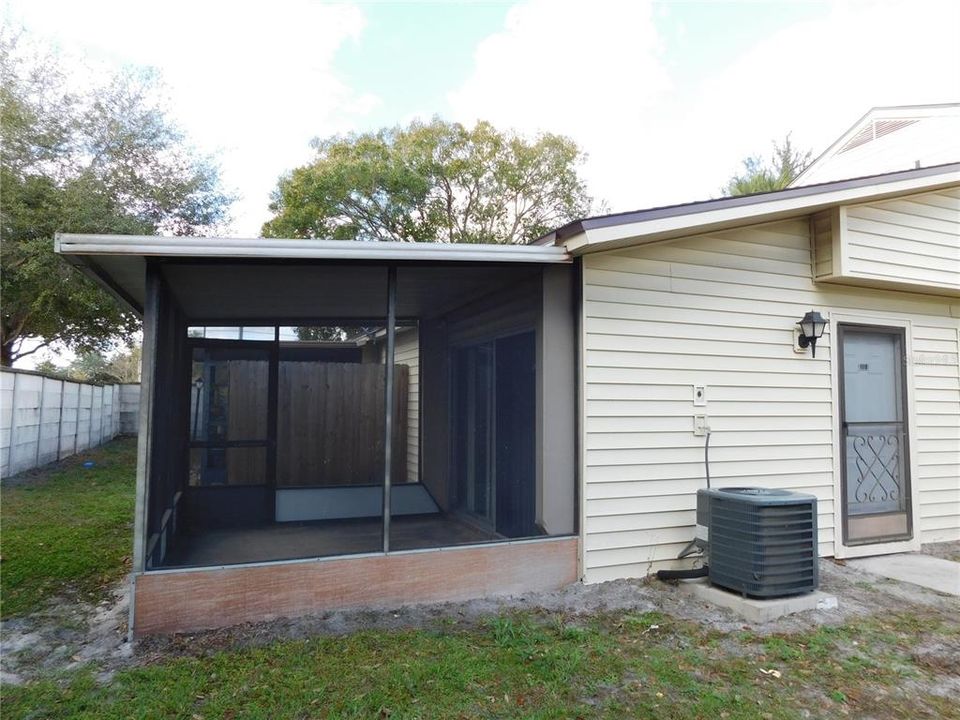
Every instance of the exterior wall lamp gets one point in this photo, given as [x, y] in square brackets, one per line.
[812, 326]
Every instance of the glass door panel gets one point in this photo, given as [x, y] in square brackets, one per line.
[473, 429]
[876, 488]
[495, 432]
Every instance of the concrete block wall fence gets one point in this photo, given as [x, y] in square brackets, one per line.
[44, 419]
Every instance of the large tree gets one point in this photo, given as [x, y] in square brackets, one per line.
[432, 182]
[103, 159]
[776, 173]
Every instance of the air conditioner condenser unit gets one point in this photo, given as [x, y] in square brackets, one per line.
[759, 542]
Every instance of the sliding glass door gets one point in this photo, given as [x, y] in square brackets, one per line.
[494, 433]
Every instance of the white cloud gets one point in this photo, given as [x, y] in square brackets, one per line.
[597, 72]
[254, 81]
[817, 78]
[593, 71]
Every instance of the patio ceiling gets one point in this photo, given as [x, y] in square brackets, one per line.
[226, 293]
[223, 278]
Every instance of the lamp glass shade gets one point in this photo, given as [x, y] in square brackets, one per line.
[812, 325]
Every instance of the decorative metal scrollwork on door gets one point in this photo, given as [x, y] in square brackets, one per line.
[877, 477]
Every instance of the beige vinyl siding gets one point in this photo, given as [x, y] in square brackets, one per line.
[822, 226]
[935, 352]
[407, 352]
[720, 310]
[915, 240]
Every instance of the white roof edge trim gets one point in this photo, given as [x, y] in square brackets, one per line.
[691, 223]
[284, 248]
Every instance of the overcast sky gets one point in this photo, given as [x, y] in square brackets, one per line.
[666, 98]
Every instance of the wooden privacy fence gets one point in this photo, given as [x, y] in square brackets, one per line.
[330, 424]
[329, 427]
[44, 419]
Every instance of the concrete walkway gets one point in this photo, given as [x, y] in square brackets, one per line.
[917, 568]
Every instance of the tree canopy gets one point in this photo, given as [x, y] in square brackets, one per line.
[92, 366]
[432, 182]
[104, 159]
[776, 173]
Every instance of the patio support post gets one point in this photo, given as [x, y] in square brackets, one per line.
[148, 359]
[388, 400]
[273, 389]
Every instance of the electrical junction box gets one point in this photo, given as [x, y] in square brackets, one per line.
[701, 425]
[699, 395]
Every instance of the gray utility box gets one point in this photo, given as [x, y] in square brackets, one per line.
[761, 543]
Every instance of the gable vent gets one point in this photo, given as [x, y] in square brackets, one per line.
[885, 127]
[876, 129]
[861, 138]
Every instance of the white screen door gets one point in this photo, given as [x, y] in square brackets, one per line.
[876, 483]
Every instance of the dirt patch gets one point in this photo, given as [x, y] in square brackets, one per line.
[65, 635]
[860, 594]
[945, 550]
[939, 656]
[68, 634]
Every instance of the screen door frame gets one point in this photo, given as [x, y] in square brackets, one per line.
[873, 323]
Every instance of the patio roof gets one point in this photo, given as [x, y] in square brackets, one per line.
[118, 261]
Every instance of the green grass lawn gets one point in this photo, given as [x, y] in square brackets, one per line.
[67, 532]
[527, 666]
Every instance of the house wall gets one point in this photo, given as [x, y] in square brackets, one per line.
[933, 140]
[407, 352]
[720, 310]
[433, 373]
[556, 406]
[913, 240]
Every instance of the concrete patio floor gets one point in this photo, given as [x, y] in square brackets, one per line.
[916, 568]
[286, 541]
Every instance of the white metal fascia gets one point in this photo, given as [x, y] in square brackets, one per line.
[307, 249]
[765, 209]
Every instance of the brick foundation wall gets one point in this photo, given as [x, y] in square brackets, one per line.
[191, 600]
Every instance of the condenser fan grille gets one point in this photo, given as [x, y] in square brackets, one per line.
[763, 545]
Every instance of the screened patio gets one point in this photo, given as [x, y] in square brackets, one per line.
[353, 404]
[309, 408]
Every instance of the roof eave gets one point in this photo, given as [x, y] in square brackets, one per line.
[300, 249]
[599, 234]
[88, 266]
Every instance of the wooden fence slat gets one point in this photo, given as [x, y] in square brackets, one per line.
[330, 424]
